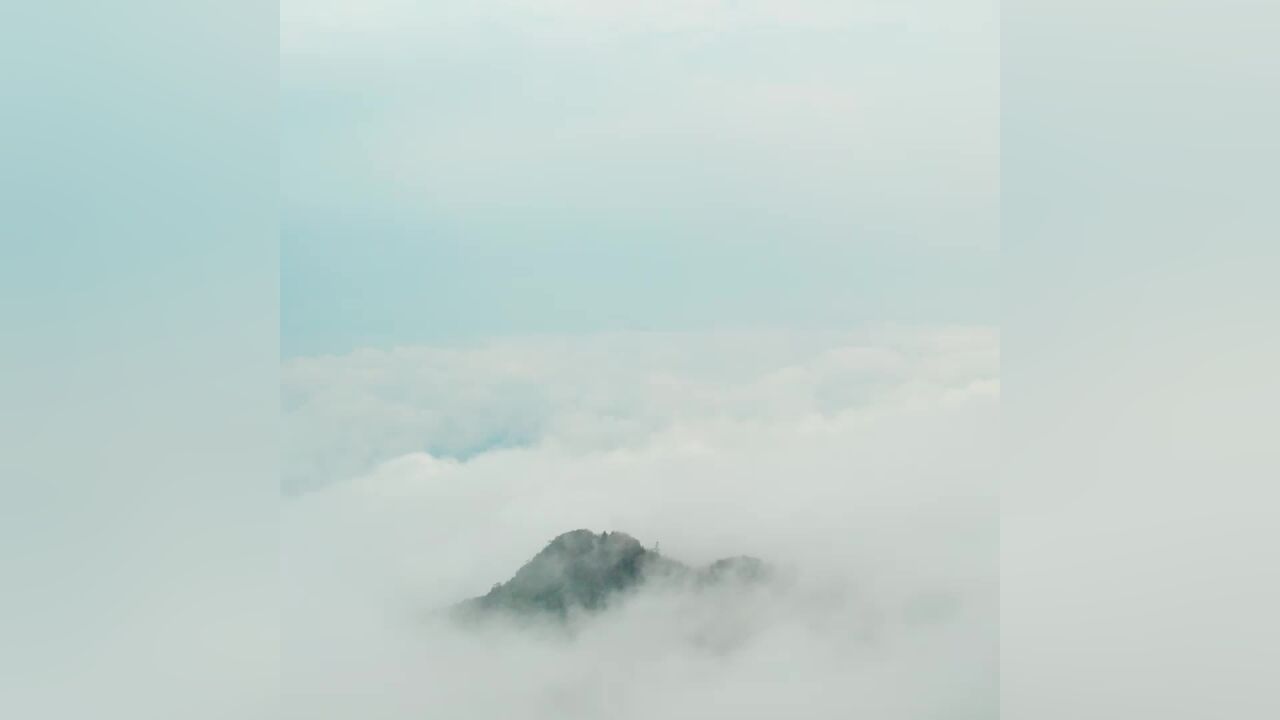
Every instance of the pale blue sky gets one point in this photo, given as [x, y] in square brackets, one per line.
[515, 167]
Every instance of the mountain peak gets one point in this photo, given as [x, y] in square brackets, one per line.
[576, 542]
[584, 570]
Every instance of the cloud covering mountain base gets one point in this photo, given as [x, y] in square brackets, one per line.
[865, 472]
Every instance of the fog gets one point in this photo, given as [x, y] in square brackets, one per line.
[878, 506]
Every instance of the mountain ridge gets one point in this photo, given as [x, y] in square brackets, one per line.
[581, 570]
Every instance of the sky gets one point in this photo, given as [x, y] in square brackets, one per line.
[520, 166]
[720, 275]
[615, 238]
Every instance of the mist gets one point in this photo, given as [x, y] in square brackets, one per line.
[878, 507]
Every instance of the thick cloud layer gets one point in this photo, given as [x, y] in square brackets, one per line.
[345, 414]
[862, 464]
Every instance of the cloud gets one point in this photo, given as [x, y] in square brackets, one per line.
[863, 463]
[345, 414]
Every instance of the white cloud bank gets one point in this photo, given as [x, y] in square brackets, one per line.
[345, 414]
[863, 463]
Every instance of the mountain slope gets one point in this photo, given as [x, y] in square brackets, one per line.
[582, 570]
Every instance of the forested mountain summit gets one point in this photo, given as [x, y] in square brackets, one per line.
[585, 571]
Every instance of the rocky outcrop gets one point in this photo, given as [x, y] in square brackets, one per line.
[585, 571]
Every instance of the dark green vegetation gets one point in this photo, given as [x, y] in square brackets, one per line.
[582, 570]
